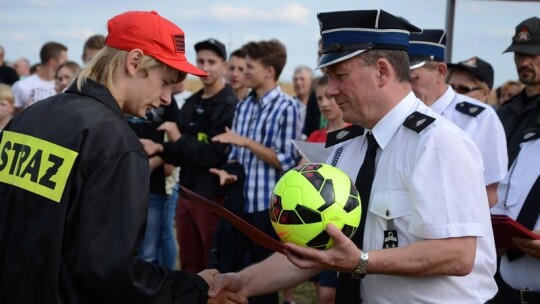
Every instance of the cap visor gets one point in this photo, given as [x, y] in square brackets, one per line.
[528, 49]
[333, 58]
[416, 64]
[191, 69]
[184, 66]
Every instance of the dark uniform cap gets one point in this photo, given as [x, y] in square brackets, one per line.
[527, 37]
[213, 45]
[430, 45]
[346, 34]
[479, 68]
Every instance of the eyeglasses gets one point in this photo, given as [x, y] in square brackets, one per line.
[461, 89]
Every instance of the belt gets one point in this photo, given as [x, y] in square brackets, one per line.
[525, 296]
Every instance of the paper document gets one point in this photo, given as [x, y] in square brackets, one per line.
[313, 152]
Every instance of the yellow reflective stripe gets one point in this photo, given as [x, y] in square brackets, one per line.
[35, 165]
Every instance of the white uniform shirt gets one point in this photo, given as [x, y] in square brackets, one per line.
[409, 190]
[485, 129]
[513, 190]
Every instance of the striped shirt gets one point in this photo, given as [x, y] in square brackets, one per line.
[273, 121]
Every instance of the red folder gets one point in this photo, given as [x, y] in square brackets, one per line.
[504, 228]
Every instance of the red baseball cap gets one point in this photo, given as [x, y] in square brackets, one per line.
[154, 35]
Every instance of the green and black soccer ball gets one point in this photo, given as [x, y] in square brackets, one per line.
[307, 198]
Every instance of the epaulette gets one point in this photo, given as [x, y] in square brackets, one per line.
[341, 135]
[530, 134]
[418, 121]
[469, 108]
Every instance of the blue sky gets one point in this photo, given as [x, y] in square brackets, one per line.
[482, 28]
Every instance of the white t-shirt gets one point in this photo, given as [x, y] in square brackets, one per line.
[513, 190]
[31, 89]
[409, 190]
[485, 129]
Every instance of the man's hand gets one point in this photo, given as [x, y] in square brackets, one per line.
[229, 137]
[208, 275]
[171, 129]
[224, 177]
[343, 256]
[155, 162]
[227, 288]
[151, 148]
[529, 247]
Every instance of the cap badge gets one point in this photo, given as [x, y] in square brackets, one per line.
[179, 43]
[342, 134]
[523, 35]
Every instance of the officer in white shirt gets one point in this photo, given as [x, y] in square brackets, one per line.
[519, 187]
[428, 235]
[428, 74]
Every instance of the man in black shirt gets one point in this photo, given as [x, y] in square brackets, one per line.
[205, 114]
[523, 111]
[8, 75]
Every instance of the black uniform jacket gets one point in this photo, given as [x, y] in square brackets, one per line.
[195, 152]
[518, 115]
[73, 207]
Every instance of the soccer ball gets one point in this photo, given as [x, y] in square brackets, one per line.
[308, 197]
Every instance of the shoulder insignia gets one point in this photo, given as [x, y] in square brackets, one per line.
[341, 135]
[469, 108]
[530, 134]
[418, 121]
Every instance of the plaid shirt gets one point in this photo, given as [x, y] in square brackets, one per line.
[274, 121]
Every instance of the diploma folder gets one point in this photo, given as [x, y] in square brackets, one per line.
[504, 228]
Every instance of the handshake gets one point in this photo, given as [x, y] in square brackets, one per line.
[224, 288]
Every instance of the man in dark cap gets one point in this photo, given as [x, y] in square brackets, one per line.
[523, 111]
[472, 77]
[428, 74]
[521, 120]
[204, 115]
[425, 235]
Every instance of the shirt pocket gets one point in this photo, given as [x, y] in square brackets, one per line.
[391, 205]
[391, 210]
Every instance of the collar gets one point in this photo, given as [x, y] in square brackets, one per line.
[98, 92]
[268, 97]
[441, 104]
[392, 121]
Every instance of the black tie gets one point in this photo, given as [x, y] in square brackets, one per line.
[348, 289]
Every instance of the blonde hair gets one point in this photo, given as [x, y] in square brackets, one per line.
[105, 66]
[6, 93]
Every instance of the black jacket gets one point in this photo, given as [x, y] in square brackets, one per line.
[195, 153]
[73, 208]
[517, 116]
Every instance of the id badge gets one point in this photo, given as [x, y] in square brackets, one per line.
[390, 235]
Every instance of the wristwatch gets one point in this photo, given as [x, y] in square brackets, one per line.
[361, 269]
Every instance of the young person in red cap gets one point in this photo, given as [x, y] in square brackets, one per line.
[74, 179]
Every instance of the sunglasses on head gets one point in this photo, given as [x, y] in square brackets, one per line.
[462, 89]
